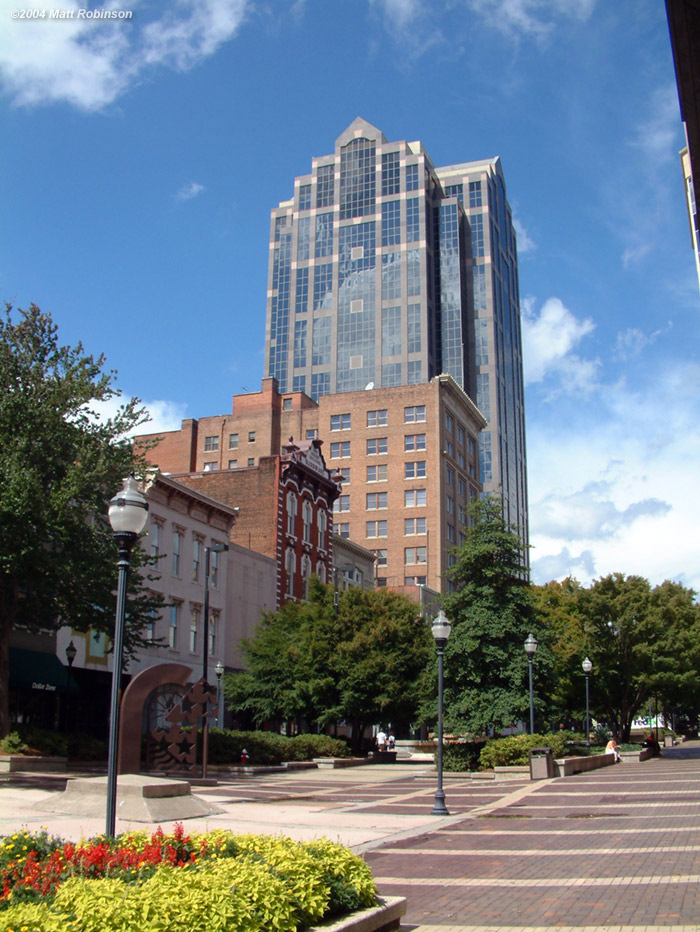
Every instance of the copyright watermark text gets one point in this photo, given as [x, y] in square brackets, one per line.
[71, 14]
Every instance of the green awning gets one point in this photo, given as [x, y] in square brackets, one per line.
[33, 669]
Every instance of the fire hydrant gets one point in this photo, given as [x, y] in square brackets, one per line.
[244, 757]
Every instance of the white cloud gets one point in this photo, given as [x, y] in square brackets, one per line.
[164, 415]
[657, 134]
[535, 19]
[548, 340]
[632, 342]
[612, 489]
[90, 63]
[525, 242]
[188, 191]
[401, 13]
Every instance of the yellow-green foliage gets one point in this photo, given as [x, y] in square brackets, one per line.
[251, 883]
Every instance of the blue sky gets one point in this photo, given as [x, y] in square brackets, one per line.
[142, 158]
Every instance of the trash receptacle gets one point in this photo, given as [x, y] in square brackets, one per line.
[668, 741]
[541, 763]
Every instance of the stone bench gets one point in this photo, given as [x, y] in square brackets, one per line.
[567, 766]
[18, 763]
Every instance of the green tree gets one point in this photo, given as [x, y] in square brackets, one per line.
[491, 610]
[60, 465]
[306, 665]
[643, 643]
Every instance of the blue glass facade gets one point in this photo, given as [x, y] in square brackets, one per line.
[403, 271]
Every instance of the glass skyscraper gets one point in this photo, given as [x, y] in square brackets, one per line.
[387, 271]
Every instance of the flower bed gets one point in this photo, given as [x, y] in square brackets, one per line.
[217, 882]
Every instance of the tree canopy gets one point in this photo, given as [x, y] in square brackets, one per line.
[643, 642]
[307, 666]
[61, 463]
[491, 610]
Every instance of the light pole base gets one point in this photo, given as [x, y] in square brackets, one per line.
[439, 807]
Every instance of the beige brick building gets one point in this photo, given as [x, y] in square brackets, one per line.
[408, 456]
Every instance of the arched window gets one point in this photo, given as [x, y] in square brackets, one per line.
[291, 512]
[306, 574]
[322, 524]
[291, 567]
[308, 518]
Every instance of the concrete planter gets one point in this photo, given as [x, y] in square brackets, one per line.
[384, 917]
[14, 763]
[636, 757]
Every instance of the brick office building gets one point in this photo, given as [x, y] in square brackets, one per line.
[408, 458]
[285, 505]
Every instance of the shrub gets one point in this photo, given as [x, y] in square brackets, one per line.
[306, 747]
[218, 882]
[14, 744]
[515, 750]
[461, 755]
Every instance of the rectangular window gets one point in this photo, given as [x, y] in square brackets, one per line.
[194, 620]
[154, 534]
[391, 276]
[450, 504]
[321, 344]
[340, 450]
[342, 530]
[233, 441]
[196, 558]
[412, 220]
[391, 374]
[391, 172]
[415, 372]
[214, 568]
[449, 448]
[413, 498]
[414, 526]
[376, 445]
[342, 503]
[449, 475]
[320, 381]
[211, 444]
[414, 414]
[177, 551]
[415, 470]
[210, 466]
[391, 331]
[377, 473]
[411, 177]
[340, 422]
[460, 434]
[414, 580]
[299, 383]
[451, 532]
[151, 626]
[172, 629]
[299, 353]
[324, 236]
[415, 555]
[413, 273]
[462, 486]
[287, 404]
[251, 436]
[391, 223]
[304, 196]
[301, 302]
[325, 185]
[379, 418]
[376, 529]
[413, 442]
[213, 622]
[303, 239]
[475, 194]
[251, 461]
[233, 464]
[414, 330]
[380, 557]
[449, 422]
[376, 500]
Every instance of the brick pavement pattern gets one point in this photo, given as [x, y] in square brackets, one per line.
[614, 849]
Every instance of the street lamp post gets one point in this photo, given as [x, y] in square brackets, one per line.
[587, 667]
[214, 548]
[71, 652]
[219, 668]
[128, 512]
[530, 648]
[441, 629]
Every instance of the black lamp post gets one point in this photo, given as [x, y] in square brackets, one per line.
[441, 629]
[71, 652]
[128, 512]
[530, 648]
[214, 548]
[219, 668]
[587, 667]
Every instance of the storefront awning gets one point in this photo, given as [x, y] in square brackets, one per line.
[32, 669]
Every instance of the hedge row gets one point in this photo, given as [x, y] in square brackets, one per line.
[267, 747]
[217, 882]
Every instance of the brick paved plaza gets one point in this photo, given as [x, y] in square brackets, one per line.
[615, 849]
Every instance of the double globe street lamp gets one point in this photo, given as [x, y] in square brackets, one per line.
[128, 513]
[587, 667]
[441, 629]
[530, 648]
